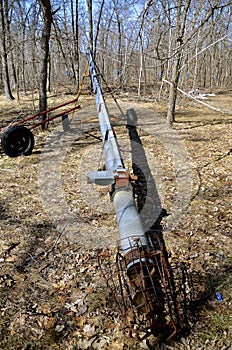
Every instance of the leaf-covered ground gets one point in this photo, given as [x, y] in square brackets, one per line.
[52, 292]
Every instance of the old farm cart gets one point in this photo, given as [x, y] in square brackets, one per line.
[17, 139]
[141, 281]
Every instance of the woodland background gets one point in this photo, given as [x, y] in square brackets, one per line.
[135, 43]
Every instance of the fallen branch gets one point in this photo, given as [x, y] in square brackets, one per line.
[195, 99]
[200, 52]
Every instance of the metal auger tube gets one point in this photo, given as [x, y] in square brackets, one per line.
[132, 236]
[129, 224]
[112, 154]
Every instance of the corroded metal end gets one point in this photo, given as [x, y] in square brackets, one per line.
[142, 286]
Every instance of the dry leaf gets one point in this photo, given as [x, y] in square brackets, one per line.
[49, 322]
[59, 327]
[43, 309]
[89, 331]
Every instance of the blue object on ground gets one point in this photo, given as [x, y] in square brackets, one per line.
[219, 296]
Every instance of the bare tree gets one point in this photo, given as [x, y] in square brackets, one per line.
[46, 31]
[181, 18]
[5, 68]
[90, 17]
[182, 39]
[75, 35]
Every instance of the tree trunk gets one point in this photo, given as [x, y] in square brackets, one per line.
[5, 72]
[46, 6]
[90, 15]
[181, 19]
[75, 34]
[173, 90]
[98, 28]
[119, 58]
[10, 44]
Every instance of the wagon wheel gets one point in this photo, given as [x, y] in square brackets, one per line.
[17, 140]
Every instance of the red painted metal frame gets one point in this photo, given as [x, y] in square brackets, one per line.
[45, 112]
[53, 117]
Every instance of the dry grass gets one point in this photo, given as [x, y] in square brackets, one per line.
[52, 295]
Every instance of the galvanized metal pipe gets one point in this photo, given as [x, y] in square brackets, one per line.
[112, 154]
[131, 231]
[129, 224]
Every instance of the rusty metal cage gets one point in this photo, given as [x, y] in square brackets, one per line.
[143, 287]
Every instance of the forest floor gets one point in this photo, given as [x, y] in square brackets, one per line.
[53, 224]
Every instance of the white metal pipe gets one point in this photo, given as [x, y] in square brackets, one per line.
[112, 154]
[129, 223]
